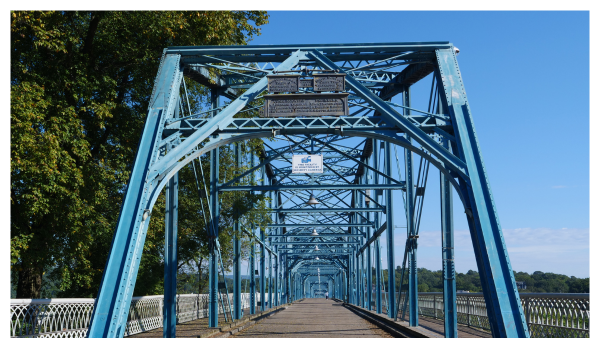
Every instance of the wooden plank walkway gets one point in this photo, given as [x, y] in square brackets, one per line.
[311, 317]
[314, 317]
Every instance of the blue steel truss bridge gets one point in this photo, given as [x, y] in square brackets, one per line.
[349, 107]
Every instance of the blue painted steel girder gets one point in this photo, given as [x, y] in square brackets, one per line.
[110, 313]
[499, 287]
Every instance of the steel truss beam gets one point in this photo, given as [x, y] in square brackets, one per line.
[446, 139]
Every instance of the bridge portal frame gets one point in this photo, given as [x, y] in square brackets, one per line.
[162, 153]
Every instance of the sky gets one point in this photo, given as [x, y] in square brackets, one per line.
[526, 76]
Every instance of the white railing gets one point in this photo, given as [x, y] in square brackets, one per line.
[70, 317]
[547, 314]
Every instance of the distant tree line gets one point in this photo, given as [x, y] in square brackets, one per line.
[431, 281]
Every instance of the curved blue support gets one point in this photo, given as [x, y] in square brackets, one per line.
[111, 310]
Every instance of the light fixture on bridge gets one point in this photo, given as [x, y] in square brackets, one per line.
[312, 200]
[316, 248]
[314, 233]
[317, 258]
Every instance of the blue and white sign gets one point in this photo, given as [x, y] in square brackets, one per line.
[307, 164]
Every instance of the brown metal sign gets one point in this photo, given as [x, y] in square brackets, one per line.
[296, 105]
[283, 83]
[329, 82]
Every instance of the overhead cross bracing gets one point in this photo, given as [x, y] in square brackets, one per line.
[377, 139]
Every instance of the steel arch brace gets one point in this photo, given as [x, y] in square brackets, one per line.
[109, 318]
[502, 299]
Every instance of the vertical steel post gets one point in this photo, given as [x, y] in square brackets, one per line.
[213, 310]
[262, 253]
[347, 275]
[389, 210]
[361, 261]
[262, 271]
[170, 288]
[270, 287]
[270, 280]
[278, 232]
[361, 294]
[356, 258]
[277, 283]
[289, 292]
[376, 196]
[369, 263]
[237, 251]
[413, 302]
[252, 255]
[450, 315]
[369, 273]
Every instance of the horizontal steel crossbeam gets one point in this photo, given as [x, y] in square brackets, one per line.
[317, 225]
[319, 235]
[312, 187]
[310, 243]
[307, 125]
[328, 211]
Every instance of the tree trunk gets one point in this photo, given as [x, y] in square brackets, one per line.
[30, 283]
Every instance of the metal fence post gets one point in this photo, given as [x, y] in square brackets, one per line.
[527, 314]
[468, 312]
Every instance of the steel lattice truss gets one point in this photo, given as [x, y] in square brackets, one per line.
[354, 191]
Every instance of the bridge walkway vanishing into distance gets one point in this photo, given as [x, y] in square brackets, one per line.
[372, 136]
[314, 317]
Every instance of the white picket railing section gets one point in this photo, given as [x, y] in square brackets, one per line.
[548, 314]
[70, 317]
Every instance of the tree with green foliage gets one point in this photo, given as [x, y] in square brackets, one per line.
[80, 83]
